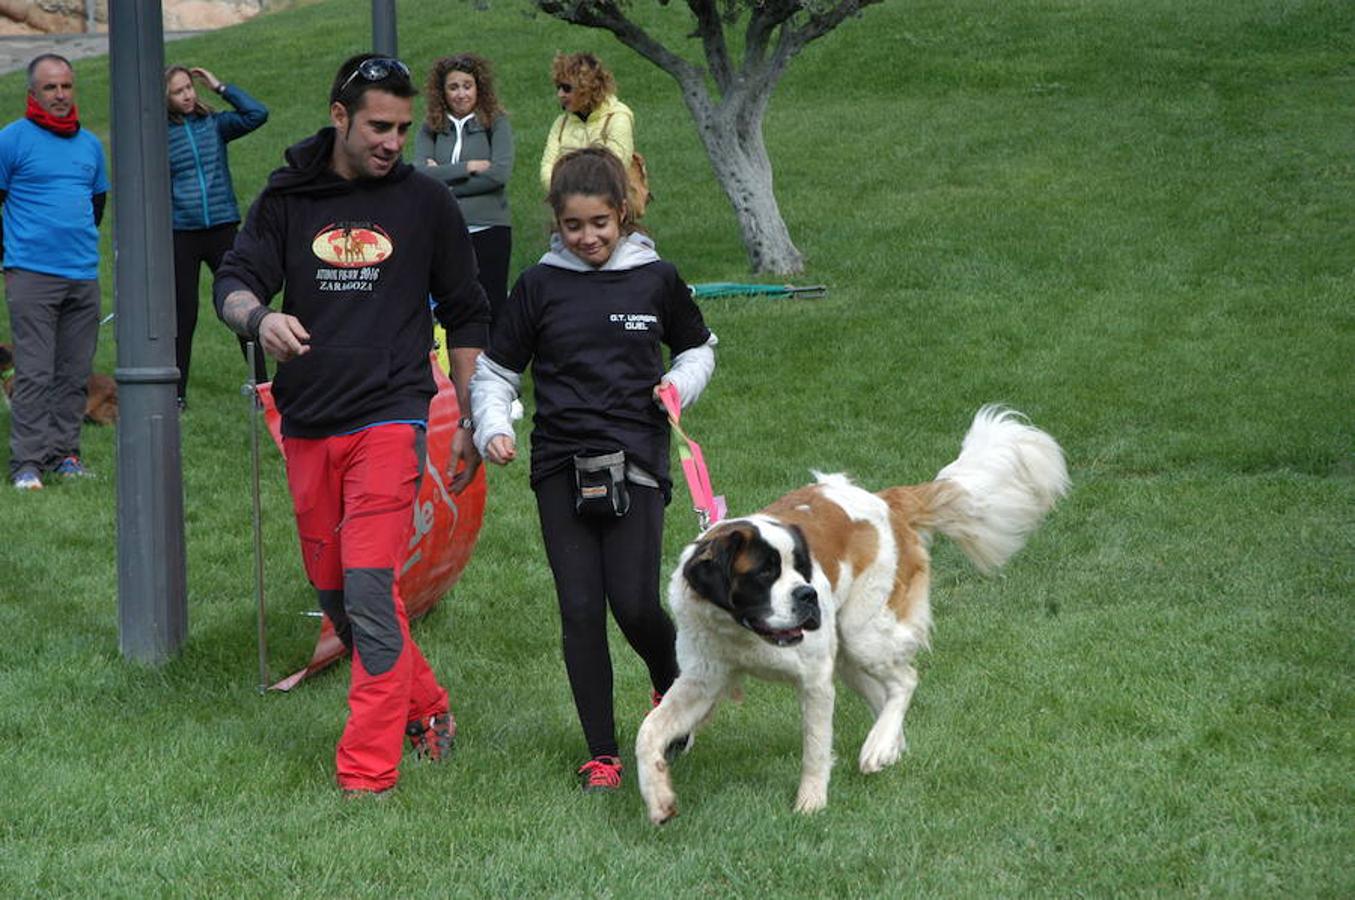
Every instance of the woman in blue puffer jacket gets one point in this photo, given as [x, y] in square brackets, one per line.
[205, 213]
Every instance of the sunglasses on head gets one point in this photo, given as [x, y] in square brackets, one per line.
[378, 68]
[567, 88]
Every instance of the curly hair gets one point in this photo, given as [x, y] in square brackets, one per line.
[593, 172]
[199, 108]
[588, 78]
[487, 107]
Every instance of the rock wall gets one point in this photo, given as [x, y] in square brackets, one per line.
[71, 16]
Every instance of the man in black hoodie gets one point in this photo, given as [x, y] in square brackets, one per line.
[361, 241]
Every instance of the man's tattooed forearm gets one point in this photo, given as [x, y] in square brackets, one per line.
[236, 310]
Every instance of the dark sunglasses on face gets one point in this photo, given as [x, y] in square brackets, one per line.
[376, 69]
[566, 88]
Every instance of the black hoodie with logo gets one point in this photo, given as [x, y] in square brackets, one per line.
[360, 259]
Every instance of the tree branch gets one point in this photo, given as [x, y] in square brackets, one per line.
[607, 15]
[771, 24]
[710, 28]
[820, 23]
[763, 19]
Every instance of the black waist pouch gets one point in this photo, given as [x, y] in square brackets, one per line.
[600, 485]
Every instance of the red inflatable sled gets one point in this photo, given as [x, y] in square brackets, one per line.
[446, 525]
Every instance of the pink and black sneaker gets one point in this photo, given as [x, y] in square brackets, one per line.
[601, 774]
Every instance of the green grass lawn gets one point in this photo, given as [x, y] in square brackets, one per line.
[1133, 221]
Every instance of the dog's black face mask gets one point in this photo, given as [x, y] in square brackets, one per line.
[738, 570]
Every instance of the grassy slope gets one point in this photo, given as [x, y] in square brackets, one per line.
[1131, 221]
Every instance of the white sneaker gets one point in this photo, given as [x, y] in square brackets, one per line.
[27, 480]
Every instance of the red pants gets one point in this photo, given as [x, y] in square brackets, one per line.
[353, 496]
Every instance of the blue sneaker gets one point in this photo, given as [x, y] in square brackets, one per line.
[71, 467]
[27, 480]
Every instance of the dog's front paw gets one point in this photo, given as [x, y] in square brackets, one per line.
[811, 798]
[656, 788]
[880, 752]
[661, 804]
[661, 816]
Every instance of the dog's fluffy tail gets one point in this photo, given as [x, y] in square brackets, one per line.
[1008, 475]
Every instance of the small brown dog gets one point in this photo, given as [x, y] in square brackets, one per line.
[101, 397]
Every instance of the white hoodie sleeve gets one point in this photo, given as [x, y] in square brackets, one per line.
[691, 371]
[493, 389]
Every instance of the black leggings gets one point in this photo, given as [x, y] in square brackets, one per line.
[597, 563]
[493, 249]
[191, 250]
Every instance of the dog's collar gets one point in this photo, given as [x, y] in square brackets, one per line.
[7, 374]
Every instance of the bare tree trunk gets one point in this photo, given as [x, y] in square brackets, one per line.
[745, 172]
[732, 136]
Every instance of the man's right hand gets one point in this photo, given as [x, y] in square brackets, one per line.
[283, 337]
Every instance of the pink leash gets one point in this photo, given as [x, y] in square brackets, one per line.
[709, 507]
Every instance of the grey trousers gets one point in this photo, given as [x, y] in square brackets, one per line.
[54, 324]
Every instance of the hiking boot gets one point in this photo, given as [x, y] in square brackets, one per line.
[678, 745]
[432, 739]
[71, 467]
[27, 479]
[601, 774]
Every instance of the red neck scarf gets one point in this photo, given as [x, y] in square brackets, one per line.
[64, 126]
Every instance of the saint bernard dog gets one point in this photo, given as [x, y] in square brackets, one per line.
[832, 579]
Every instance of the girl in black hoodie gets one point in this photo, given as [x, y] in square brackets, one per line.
[591, 319]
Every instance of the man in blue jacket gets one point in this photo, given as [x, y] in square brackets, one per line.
[53, 185]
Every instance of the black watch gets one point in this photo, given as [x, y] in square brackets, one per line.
[466, 423]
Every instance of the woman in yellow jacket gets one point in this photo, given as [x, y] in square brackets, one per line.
[592, 115]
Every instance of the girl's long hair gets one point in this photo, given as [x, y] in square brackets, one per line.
[593, 172]
[199, 108]
[487, 107]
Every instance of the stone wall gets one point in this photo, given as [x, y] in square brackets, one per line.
[70, 16]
